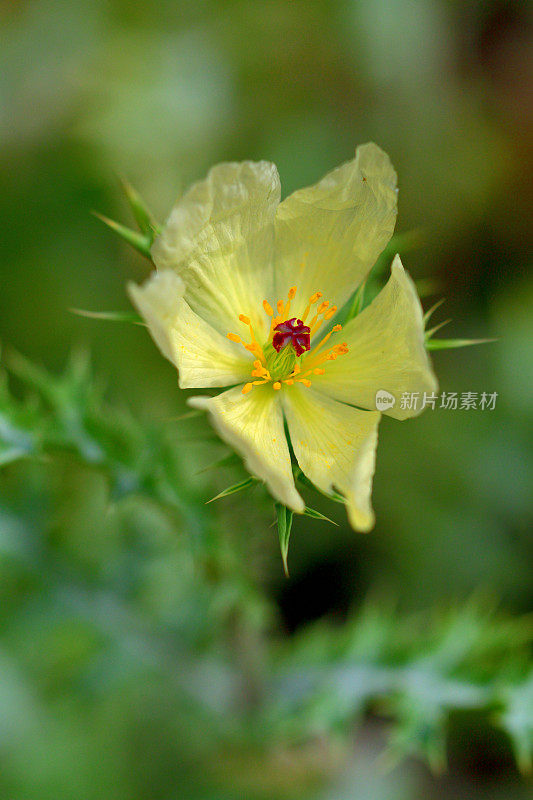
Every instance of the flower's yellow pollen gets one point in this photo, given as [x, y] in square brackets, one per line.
[309, 363]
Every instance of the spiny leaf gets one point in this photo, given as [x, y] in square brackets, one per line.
[237, 487]
[428, 334]
[139, 241]
[450, 344]
[300, 476]
[429, 313]
[142, 215]
[285, 516]
[110, 316]
[232, 459]
[311, 512]
[186, 415]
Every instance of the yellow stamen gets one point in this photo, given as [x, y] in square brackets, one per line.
[254, 348]
[316, 326]
[311, 361]
[319, 346]
[296, 371]
[292, 292]
[275, 321]
[312, 300]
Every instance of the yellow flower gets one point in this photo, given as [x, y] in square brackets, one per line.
[244, 290]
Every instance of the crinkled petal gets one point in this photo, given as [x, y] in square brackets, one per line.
[202, 355]
[335, 446]
[253, 425]
[219, 239]
[328, 236]
[386, 352]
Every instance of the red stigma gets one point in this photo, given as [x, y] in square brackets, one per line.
[294, 332]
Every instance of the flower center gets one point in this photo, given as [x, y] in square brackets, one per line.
[292, 332]
[286, 357]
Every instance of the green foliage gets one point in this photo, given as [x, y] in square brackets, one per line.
[148, 229]
[284, 519]
[247, 483]
[416, 671]
[451, 344]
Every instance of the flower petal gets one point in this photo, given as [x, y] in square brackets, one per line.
[329, 235]
[253, 425]
[202, 355]
[219, 239]
[386, 351]
[335, 446]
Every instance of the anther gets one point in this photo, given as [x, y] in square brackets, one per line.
[276, 385]
[305, 381]
[319, 371]
[234, 338]
[247, 388]
[244, 318]
[268, 308]
[292, 292]
[331, 312]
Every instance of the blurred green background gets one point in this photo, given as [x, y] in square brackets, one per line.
[107, 598]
